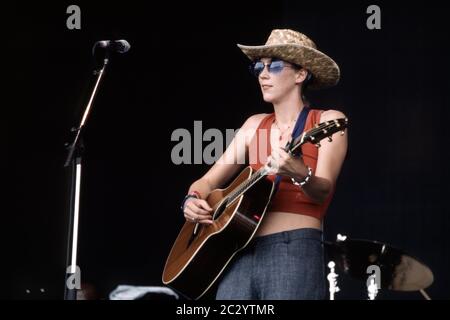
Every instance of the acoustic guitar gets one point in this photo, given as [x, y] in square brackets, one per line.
[202, 252]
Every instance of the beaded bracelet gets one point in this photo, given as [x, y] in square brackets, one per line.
[305, 181]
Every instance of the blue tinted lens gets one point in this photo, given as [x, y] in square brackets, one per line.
[276, 66]
[258, 67]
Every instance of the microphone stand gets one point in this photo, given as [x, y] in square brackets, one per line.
[74, 159]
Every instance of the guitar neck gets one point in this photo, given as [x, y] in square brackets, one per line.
[244, 186]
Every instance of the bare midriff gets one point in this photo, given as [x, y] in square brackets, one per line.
[276, 221]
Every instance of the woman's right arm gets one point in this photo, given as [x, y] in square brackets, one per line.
[229, 164]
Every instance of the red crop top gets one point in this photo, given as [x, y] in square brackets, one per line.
[289, 197]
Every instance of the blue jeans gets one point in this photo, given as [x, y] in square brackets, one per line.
[287, 265]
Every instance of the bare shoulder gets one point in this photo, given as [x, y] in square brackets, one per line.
[250, 126]
[253, 121]
[331, 115]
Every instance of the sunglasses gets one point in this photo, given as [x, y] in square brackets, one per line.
[274, 67]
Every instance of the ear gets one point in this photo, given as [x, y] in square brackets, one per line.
[300, 76]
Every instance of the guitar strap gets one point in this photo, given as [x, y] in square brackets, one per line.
[298, 130]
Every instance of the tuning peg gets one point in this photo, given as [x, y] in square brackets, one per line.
[337, 123]
[318, 145]
[330, 139]
[325, 131]
[342, 133]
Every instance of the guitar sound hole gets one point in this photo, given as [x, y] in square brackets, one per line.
[220, 209]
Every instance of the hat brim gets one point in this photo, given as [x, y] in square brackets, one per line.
[325, 71]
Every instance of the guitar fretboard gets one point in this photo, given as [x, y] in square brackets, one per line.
[244, 186]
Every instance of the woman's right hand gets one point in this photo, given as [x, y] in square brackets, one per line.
[198, 211]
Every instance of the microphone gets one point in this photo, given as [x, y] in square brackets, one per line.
[120, 46]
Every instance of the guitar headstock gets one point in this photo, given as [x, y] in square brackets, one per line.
[319, 132]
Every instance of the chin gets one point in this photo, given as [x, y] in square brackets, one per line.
[268, 98]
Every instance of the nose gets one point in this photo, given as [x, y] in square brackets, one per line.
[265, 72]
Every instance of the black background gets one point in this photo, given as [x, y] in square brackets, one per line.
[184, 66]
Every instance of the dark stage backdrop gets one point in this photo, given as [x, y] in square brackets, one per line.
[184, 66]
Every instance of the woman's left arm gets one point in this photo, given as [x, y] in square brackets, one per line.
[330, 159]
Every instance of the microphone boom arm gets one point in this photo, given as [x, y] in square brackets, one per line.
[74, 145]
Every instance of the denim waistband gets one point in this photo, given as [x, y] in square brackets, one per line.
[287, 236]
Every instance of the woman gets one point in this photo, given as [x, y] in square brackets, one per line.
[285, 258]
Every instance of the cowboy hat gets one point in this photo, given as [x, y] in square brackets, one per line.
[297, 48]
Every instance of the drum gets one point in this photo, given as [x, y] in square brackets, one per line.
[378, 264]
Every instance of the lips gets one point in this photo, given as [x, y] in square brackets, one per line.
[266, 86]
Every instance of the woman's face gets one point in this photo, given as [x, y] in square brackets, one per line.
[282, 81]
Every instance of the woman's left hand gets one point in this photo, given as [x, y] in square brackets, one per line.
[282, 163]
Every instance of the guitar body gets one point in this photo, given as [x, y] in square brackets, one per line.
[202, 252]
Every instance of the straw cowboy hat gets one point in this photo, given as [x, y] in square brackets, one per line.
[297, 48]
